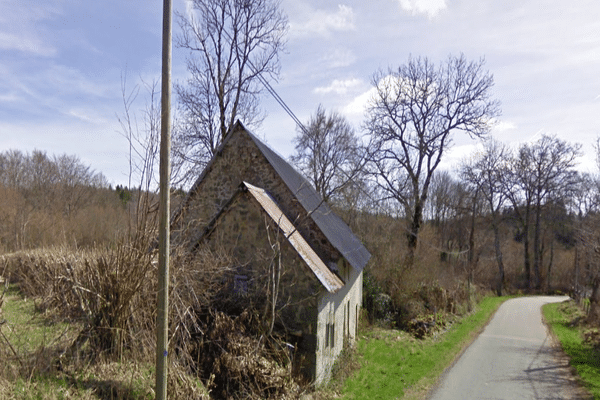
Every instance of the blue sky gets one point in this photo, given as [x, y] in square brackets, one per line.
[61, 63]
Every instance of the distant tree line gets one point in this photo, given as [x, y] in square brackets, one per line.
[54, 200]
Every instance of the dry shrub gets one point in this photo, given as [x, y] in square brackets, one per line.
[228, 348]
[195, 282]
[433, 284]
[237, 363]
[113, 291]
[106, 289]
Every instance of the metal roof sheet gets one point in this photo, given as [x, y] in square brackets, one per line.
[331, 281]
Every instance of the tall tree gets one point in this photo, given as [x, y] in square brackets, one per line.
[233, 44]
[589, 245]
[485, 173]
[328, 152]
[411, 119]
[542, 173]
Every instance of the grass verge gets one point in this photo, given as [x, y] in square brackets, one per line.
[395, 365]
[564, 320]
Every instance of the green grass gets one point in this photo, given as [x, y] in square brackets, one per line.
[395, 365]
[25, 328]
[584, 357]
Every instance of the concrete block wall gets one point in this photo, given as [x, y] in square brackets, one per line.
[340, 310]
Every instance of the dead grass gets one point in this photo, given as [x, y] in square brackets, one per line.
[37, 365]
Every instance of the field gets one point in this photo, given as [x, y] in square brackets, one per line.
[60, 335]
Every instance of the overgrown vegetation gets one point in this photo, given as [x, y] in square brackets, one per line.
[108, 298]
[579, 339]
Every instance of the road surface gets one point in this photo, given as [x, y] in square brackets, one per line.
[513, 358]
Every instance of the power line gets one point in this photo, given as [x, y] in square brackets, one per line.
[278, 98]
[270, 89]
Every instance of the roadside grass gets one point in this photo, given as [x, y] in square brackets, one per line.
[394, 365]
[565, 321]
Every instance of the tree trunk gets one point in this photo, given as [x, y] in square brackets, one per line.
[499, 260]
[526, 256]
[548, 286]
[594, 315]
[472, 234]
[537, 248]
[413, 234]
[576, 266]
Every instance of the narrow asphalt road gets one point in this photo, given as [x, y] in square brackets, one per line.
[513, 358]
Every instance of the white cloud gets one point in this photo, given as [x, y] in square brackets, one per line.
[189, 9]
[20, 30]
[455, 155]
[355, 110]
[322, 22]
[10, 98]
[339, 58]
[504, 126]
[87, 115]
[429, 7]
[343, 20]
[26, 44]
[339, 86]
[67, 80]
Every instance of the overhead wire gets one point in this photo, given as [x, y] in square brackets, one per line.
[270, 89]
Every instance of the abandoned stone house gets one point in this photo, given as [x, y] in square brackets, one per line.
[252, 203]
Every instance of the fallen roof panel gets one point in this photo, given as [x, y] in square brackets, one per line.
[331, 281]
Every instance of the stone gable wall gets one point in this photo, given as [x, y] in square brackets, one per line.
[241, 160]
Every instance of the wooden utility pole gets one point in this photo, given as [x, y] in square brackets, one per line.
[162, 325]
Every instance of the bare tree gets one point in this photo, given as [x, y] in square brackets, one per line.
[541, 173]
[328, 152]
[411, 119]
[233, 44]
[586, 205]
[74, 183]
[43, 196]
[486, 174]
[144, 146]
[447, 209]
[587, 263]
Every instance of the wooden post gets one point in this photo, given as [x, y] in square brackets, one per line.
[162, 325]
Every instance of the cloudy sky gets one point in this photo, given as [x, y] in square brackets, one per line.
[62, 63]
